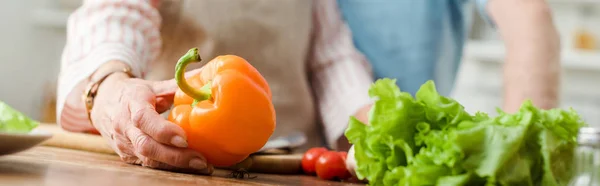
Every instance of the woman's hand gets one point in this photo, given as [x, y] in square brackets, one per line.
[126, 113]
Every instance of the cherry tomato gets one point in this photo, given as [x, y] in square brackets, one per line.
[331, 165]
[310, 158]
[344, 155]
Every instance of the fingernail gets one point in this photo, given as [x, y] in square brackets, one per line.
[197, 163]
[179, 142]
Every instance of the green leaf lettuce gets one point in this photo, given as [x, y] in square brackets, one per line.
[430, 139]
[13, 121]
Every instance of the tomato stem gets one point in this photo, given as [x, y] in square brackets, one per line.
[191, 56]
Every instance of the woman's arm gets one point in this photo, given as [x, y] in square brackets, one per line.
[341, 75]
[104, 36]
[532, 68]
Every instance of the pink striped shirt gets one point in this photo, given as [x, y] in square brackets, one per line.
[128, 30]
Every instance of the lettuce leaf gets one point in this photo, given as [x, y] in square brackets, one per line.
[431, 140]
[13, 121]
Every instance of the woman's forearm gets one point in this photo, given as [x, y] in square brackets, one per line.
[74, 103]
[531, 73]
[96, 36]
[532, 66]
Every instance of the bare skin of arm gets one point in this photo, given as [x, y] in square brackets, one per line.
[532, 67]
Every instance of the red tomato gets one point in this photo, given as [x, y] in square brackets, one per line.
[344, 155]
[332, 165]
[310, 158]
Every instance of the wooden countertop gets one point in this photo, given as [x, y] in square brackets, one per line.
[42, 165]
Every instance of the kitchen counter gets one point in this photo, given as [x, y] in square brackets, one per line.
[43, 165]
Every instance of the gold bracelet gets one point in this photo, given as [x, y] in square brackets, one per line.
[92, 90]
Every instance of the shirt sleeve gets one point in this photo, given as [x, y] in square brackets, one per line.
[97, 32]
[340, 74]
[481, 8]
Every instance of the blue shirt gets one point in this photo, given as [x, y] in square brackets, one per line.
[411, 41]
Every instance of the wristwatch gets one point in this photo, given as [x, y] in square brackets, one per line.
[92, 89]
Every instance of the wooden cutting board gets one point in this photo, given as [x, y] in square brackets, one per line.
[274, 161]
[77, 141]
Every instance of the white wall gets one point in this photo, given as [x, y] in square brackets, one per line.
[29, 55]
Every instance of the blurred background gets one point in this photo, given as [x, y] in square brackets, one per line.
[33, 36]
[479, 85]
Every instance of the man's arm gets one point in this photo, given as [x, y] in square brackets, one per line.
[532, 68]
[340, 74]
[104, 36]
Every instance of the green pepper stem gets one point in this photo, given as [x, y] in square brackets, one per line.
[191, 56]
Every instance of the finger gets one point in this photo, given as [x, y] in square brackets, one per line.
[147, 162]
[194, 72]
[130, 159]
[109, 129]
[163, 166]
[164, 88]
[137, 161]
[163, 104]
[145, 118]
[124, 149]
[148, 148]
[168, 87]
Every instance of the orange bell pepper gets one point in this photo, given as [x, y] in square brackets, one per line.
[226, 109]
